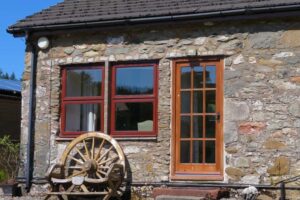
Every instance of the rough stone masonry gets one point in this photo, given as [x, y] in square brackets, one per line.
[261, 94]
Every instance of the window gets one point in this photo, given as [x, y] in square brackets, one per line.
[132, 104]
[82, 100]
[198, 104]
[133, 100]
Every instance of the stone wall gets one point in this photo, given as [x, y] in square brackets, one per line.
[261, 93]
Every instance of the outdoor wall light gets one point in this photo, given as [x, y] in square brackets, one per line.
[43, 43]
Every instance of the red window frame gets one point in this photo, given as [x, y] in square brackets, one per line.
[79, 100]
[133, 98]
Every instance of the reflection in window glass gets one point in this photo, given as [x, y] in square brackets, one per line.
[185, 102]
[134, 116]
[210, 153]
[210, 76]
[198, 102]
[211, 101]
[210, 126]
[185, 126]
[134, 80]
[185, 151]
[198, 77]
[198, 127]
[83, 117]
[186, 77]
[83, 82]
[197, 151]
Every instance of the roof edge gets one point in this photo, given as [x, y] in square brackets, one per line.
[20, 31]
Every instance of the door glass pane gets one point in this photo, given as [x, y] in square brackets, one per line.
[184, 151]
[198, 77]
[198, 102]
[185, 126]
[210, 101]
[197, 151]
[185, 102]
[83, 117]
[198, 127]
[210, 126]
[210, 152]
[185, 77]
[137, 116]
[83, 82]
[134, 80]
[210, 76]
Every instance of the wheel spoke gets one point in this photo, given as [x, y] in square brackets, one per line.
[86, 149]
[98, 174]
[110, 159]
[93, 146]
[77, 173]
[103, 167]
[73, 167]
[70, 188]
[102, 172]
[99, 151]
[78, 161]
[83, 187]
[99, 159]
[79, 152]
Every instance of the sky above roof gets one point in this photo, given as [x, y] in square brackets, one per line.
[12, 49]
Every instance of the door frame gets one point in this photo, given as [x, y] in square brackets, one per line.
[218, 175]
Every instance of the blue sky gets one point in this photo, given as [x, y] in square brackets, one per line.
[12, 49]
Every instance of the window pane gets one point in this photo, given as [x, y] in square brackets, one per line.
[83, 117]
[210, 126]
[137, 116]
[198, 77]
[185, 77]
[210, 76]
[197, 151]
[198, 127]
[210, 152]
[184, 151]
[185, 102]
[134, 80]
[210, 101]
[185, 126]
[84, 82]
[198, 102]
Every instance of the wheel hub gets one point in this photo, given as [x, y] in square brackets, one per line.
[90, 166]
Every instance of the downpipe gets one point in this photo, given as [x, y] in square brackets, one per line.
[30, 134]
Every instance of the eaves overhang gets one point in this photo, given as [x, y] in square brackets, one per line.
[288, 10]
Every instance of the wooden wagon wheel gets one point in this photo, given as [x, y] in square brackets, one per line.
[92, 156]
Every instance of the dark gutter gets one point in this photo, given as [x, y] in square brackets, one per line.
[10, 93]
[205, 15]
[30, 135]
[7, 96]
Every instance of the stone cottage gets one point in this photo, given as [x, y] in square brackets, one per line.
[195, 92]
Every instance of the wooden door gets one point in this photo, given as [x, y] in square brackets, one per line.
[198, 104]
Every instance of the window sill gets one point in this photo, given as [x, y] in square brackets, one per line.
[136, 138]
[64, 138]
[154, 139]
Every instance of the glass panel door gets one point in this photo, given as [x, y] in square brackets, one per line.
[198, 118]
